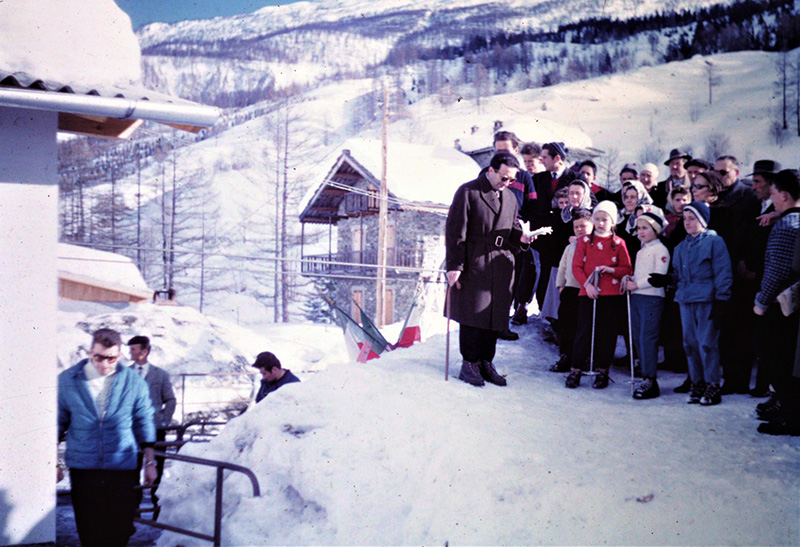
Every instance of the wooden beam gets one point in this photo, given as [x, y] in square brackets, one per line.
[97, 126]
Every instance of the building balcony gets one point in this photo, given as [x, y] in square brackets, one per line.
[349, 262]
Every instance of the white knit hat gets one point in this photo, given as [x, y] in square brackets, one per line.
[608, 207]
[652, 168]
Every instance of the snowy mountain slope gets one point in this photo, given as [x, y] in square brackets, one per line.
[388, 453]
[340, 39]
[638, 116]
[393, 17]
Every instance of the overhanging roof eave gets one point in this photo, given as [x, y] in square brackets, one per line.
[183, 113]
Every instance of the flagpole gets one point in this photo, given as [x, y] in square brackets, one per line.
[383, 210]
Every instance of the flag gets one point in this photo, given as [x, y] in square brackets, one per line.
[381, 343]
[359, 343]
[411, 330]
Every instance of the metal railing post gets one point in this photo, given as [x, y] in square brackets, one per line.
[218, 510]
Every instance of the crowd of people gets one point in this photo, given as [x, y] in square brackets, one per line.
[701, 267]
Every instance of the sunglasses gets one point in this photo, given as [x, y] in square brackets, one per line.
[699, 186]
[109, 358]
[722, 172]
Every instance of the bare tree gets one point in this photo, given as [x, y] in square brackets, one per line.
[608, 166]
[713, 78]
[782, 83]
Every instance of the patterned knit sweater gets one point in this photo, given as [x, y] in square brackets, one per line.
[778, 273]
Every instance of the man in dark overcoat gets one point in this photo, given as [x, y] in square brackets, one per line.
[557, 176]
[481, 236]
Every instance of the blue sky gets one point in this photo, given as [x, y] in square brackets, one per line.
[147, 11]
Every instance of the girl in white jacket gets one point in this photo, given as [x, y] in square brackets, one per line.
[647, 302]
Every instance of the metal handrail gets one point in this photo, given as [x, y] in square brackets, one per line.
[221, 467]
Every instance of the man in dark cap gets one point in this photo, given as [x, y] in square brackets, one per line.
[272, 375]
[696, 166]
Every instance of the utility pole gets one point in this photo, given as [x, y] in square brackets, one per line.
[383, 211]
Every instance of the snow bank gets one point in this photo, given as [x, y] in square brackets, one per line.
[69, 41]
[388, 453]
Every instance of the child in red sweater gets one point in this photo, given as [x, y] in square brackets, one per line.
[601, 261]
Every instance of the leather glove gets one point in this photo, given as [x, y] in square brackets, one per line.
[718, 313]
[660, 280]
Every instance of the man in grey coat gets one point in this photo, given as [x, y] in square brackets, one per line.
[161, 395]
[481, 236]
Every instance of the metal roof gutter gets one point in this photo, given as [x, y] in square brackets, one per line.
[177, 113]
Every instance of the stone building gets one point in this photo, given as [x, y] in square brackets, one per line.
[421, 182]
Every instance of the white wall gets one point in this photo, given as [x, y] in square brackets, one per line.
[28, 300]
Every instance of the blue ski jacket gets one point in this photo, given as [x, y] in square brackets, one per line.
[104, 442]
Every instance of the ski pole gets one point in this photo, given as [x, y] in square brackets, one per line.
[594, 279]
[624, 283]
[447, 353]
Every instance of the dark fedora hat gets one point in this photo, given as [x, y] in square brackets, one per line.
[677, 153]
[765, 167]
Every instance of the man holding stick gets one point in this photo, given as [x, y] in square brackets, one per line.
[481, 236]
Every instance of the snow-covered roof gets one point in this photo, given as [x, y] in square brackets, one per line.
[417, 173]
[101, 269]
[83, 60]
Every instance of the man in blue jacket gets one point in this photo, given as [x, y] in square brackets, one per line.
[105, 415]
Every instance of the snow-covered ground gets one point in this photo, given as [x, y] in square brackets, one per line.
[389, 453]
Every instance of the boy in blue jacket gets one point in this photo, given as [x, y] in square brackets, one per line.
[702, 273]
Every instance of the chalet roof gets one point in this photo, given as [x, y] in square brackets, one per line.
[418, 175]
[102, 111]
[102, 269]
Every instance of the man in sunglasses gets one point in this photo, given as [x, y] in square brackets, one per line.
[481, 237]
[740, 205]
[105, 415]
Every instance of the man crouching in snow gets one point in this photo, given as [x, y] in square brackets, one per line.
[481, 236]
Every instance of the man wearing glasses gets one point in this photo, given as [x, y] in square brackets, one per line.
[105, 415]
[481, 236]
[742, 207]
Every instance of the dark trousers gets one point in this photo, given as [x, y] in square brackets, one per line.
[477, 344]
[545, 265]
[567, 320]
[779, 345]
[736, 340]
[672, 335]
[524, 278]
[161, 435]
[105, 504]
[608, 309]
